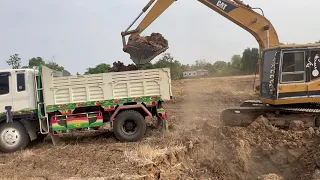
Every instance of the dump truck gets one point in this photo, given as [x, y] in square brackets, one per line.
[37, 102]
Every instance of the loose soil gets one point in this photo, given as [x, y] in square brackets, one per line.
[155, 41]
[197, 146]
[143, 49]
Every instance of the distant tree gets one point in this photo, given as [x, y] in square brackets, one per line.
[186, 67]
[203, 64]
[200, 64]
[175, 66]
[236, 66]
[100, 68]
[54, 66]
[35, 61]
[249, 60]
[236, 62]
[78, 73]
[146, 66]
[221, 68]
[317, 41]
[219, 65]
[14, 61]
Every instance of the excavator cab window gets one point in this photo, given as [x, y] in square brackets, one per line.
[293, 67]
[269, 78]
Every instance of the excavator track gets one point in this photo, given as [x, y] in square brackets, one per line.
[281, 116]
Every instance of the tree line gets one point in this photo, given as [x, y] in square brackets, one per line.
[239, 64]
[15, 62]
[243, 64]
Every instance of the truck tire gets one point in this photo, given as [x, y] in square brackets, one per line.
[129, 126]
[13, 137]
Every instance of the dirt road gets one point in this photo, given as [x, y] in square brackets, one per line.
[197, 146]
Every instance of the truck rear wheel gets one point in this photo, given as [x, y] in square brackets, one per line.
[129, 126]
[13, 137]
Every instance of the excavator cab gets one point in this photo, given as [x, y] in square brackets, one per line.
[290, 74]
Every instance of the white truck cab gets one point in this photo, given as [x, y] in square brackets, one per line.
[18, 89]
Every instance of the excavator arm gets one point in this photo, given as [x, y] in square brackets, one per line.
[142, 51]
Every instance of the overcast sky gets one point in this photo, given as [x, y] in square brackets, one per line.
[84, 33]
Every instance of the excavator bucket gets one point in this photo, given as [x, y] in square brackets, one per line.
[144, 49]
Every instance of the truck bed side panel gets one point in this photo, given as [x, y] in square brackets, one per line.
[115, 85]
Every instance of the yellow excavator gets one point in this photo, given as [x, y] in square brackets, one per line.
[289, 76]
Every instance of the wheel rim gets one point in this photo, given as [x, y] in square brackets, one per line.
[10, 137]
[129, 127]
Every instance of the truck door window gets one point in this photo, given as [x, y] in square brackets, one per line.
[21, 83]
[293, 67]
[4, 84]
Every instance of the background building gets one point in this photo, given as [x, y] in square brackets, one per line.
[196, 73]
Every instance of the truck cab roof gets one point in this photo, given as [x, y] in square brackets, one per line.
[17, 70]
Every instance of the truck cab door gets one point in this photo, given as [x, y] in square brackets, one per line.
[5, 91]
[20, 91]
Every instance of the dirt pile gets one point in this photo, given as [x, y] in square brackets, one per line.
[119, 67]
[155, 41]
[211, 151]
[259, 151]
[158, 162]
[143, 49]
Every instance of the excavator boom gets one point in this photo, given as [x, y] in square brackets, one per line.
[143, 49]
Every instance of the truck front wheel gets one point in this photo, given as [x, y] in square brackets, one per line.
[13, 137]
[129, 126]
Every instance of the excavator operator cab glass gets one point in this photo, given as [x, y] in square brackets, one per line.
[293, 67]
[269, 73]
